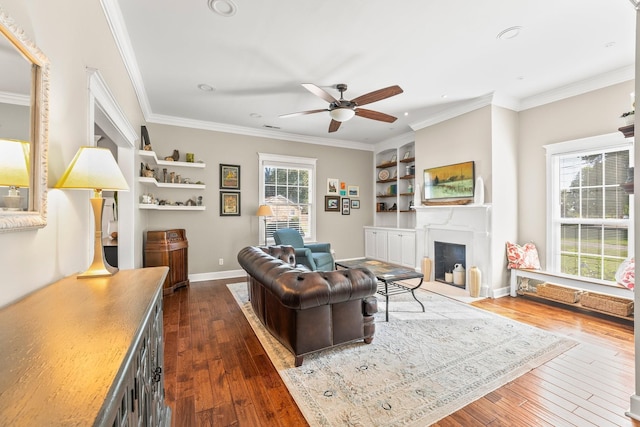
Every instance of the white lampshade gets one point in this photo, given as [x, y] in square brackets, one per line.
[264, 210]
[342, 114]
[93, 168]
[14, 163]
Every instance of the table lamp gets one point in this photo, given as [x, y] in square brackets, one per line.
[265, 211]
[94, 168]
[14, 170]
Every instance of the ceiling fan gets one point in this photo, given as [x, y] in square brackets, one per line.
[342, 110]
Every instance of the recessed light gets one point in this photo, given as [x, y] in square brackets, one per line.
[255, 115]
[445, 96]
[206, 88]
[509, 33]
[226, 8]
[610, 44]
[406, 113]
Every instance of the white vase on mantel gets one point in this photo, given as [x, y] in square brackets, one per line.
[478, 193]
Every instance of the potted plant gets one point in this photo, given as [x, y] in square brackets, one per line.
[628, 117]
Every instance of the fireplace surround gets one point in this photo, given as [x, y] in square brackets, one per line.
[466, 225]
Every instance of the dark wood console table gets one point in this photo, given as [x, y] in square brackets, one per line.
[85, 352]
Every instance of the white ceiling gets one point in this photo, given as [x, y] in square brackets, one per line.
[257, 59]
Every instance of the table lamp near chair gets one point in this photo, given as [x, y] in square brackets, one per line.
[94, 168]
[14, 170]
[265, 211]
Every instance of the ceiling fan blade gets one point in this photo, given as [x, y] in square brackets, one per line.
[334, 125]
[319, 92]
[375, 115]
[303, 113]
[378, 95]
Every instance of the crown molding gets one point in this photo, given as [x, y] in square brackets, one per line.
[578, 88]
[395, 142]
[458, 110]
[121, 36]
[261, 133]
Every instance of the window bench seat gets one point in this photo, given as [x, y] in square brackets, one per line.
[540, 276]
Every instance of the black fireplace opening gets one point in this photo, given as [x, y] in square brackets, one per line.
[446, 255]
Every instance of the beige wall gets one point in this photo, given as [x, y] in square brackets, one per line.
[74, 35]
[489, 137]
[593, 113]
[212, 237]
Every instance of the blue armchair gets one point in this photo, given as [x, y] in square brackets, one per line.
[316, 256]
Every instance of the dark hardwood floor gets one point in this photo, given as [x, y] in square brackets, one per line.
[217, 373]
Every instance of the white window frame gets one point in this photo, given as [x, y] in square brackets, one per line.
[610, 142]
[279, 160]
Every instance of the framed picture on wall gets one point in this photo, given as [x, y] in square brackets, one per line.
[332, 185]
[332, 203]
[355, 204]
[353, 191]
[450, 182]
[346, 206]
[229, 177]
[229, 203]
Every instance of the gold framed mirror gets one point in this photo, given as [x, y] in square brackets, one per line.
[27, 98]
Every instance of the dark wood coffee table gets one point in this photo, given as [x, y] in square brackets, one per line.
[388, 276]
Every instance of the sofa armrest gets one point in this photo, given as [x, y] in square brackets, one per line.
[319, 247]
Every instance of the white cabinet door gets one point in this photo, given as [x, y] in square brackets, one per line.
[375, 244]
[409, 249]
[395, 247]
[402, 248]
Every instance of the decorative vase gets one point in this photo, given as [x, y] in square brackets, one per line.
[475, 281]
[459, 275]
[478, 194]
[426, 268]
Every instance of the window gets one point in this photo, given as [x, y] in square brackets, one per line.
[287, 185]
[590, 225]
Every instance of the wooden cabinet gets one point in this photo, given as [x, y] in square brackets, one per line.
[178, 201]
[85, 352]
[170, 248]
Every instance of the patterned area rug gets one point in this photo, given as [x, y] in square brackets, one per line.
[419, 368]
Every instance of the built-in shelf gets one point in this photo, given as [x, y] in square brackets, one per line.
[408, 160]
[151, 156]
[170, 207]
[387, 165]
[171, 185]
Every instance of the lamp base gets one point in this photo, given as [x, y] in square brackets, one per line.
[98, 271]
[99, 267]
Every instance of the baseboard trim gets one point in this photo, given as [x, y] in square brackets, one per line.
[500, 292]
[217, 275]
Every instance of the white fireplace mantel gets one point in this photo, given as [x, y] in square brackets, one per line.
[468, 225]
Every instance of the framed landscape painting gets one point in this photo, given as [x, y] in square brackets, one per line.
[449, 182]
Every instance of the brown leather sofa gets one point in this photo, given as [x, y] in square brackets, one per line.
[306, 310]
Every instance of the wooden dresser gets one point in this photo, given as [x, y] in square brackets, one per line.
[84, 352]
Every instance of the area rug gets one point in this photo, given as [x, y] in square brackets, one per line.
[419, 368]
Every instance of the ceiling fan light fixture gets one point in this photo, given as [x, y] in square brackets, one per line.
[342, 114]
